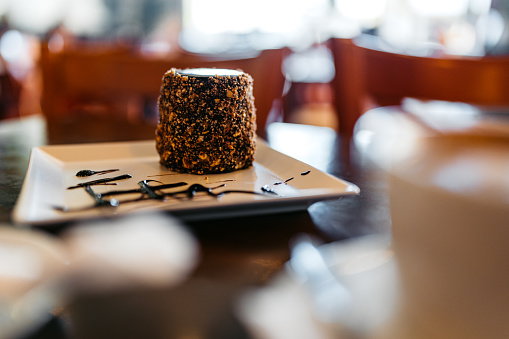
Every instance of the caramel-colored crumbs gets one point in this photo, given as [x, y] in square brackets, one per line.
[206, 124]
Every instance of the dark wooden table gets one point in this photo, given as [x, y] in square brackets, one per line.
[236, 253]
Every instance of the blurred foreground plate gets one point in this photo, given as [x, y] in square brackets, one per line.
[289, 305]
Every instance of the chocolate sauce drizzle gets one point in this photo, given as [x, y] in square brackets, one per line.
[88, 173]
[267, 189]
[148, 191]
[104, 181]
[284, 182]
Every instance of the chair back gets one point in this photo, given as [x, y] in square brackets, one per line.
[124, 85]
[385, 78]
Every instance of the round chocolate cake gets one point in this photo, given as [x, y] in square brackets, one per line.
[207, 120]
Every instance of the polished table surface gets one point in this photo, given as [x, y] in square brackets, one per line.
[236, 253]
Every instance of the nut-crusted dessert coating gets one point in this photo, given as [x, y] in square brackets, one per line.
[207, 121]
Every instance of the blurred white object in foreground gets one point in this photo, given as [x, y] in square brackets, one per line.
[28, 260]
[288, 308]
[151, 250]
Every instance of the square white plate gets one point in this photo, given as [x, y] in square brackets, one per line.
[52, 169]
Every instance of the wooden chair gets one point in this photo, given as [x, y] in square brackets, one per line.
[10, 90]
[98, 86]
[367, 76]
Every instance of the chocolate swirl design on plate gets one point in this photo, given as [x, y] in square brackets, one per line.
[149, 191]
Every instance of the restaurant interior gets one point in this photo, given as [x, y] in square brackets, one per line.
[375, 207]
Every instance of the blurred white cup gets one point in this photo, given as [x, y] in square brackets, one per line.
[449, 198]
[449, 201]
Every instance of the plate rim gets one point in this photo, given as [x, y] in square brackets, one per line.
[286, 204]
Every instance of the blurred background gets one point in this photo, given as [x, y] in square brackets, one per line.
[90, 71]
[166, 31]
[460, 26]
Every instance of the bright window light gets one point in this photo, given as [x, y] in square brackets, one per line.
[221, 16]
[246, 16]
[439, 8]
[366, 11]
[480, 7]
[36, 15]
[86, 17]
[13, 46]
